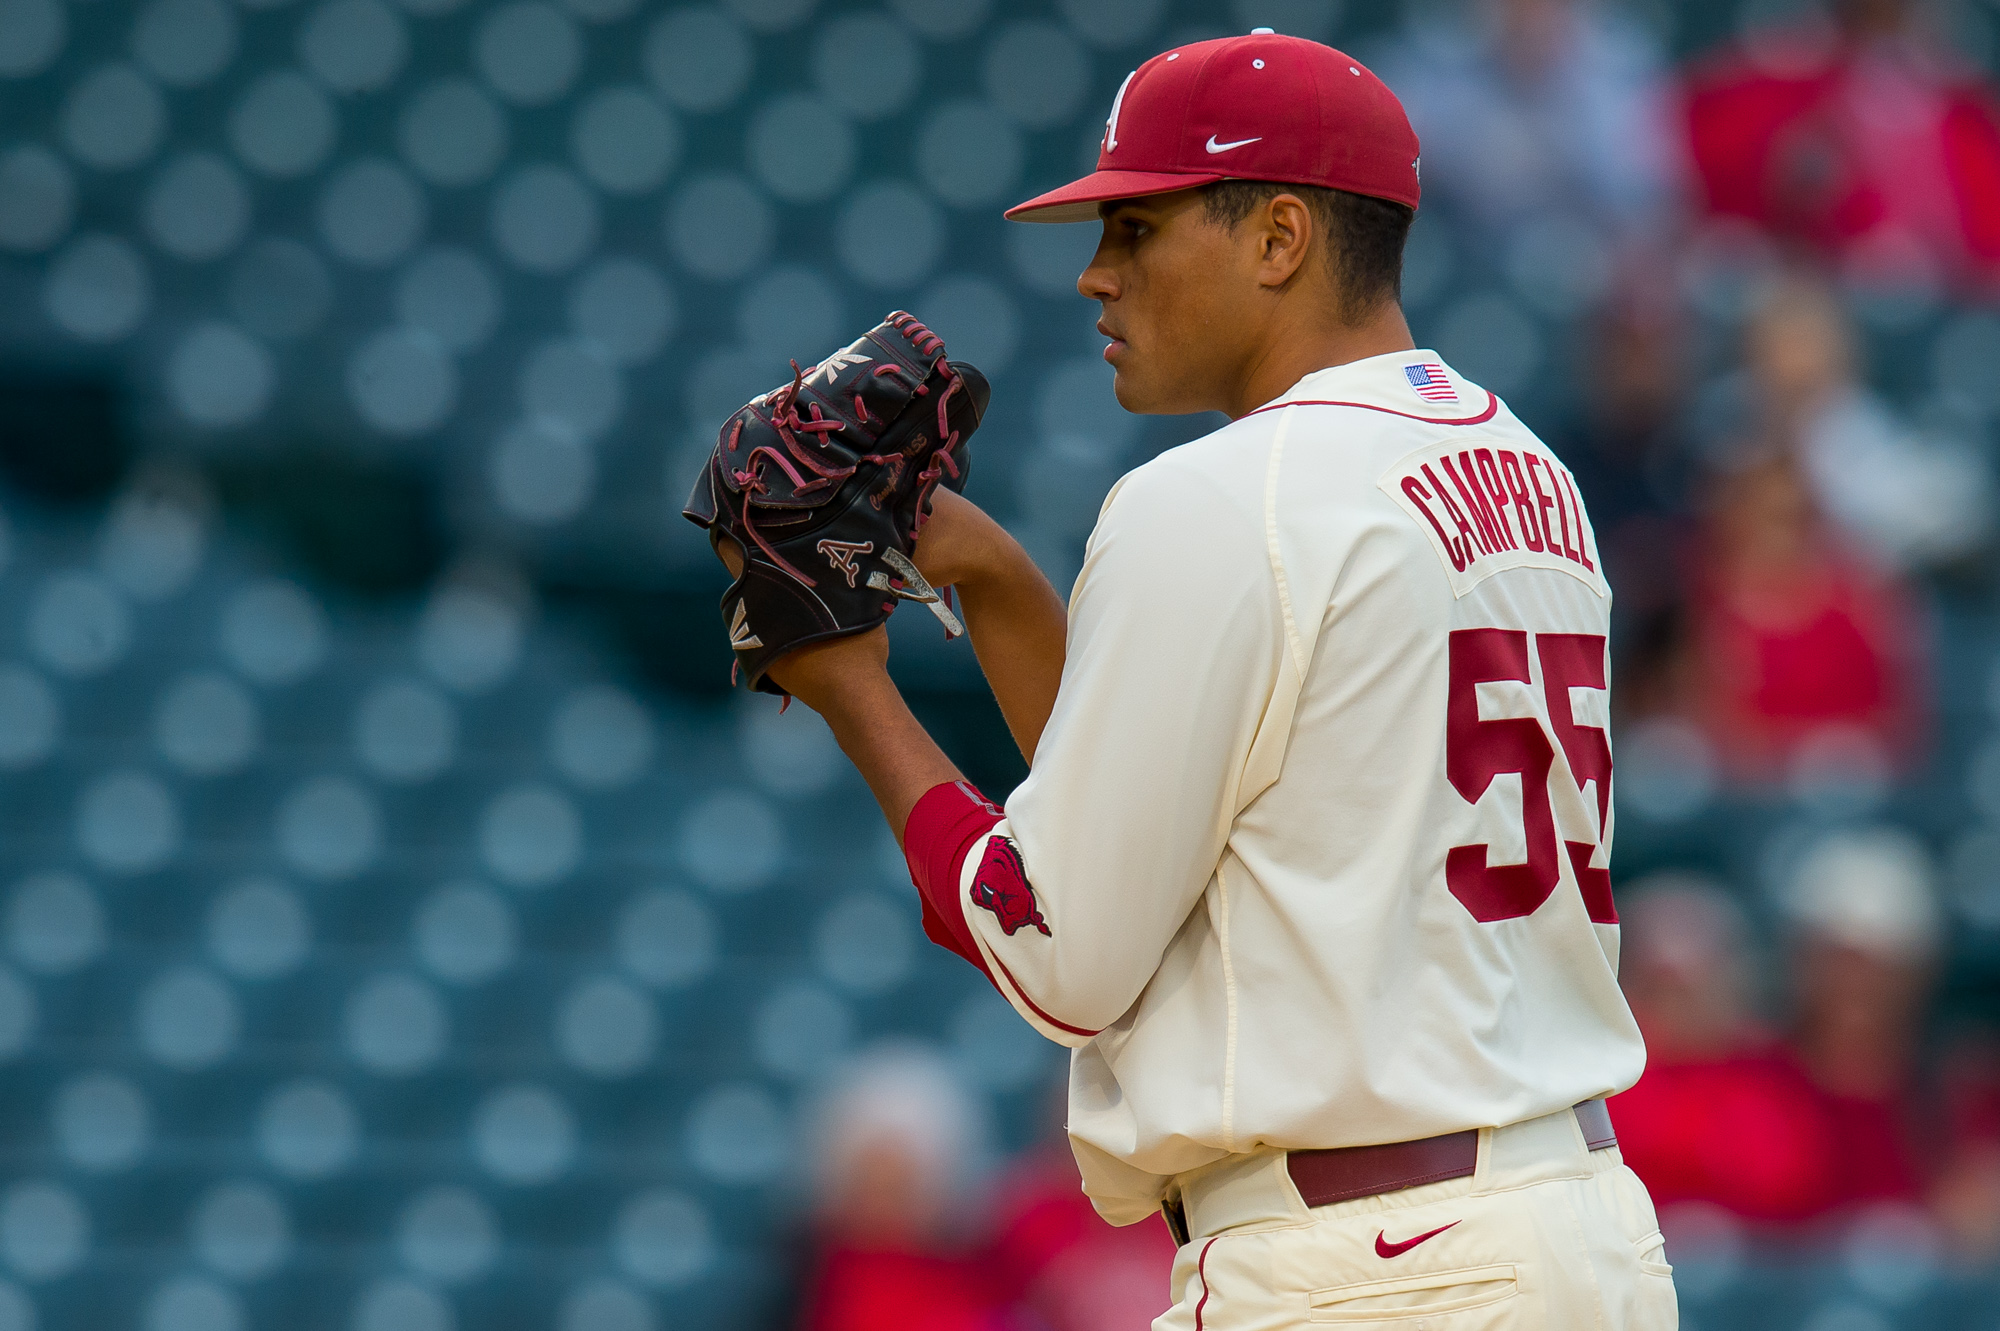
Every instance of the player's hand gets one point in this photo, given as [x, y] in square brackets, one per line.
[822, 674]
[814, 674]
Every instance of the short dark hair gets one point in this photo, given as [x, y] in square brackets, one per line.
[1365, 235]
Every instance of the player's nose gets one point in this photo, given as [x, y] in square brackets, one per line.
[1097, 281]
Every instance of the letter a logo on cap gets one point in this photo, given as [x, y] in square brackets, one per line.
[1111, 122]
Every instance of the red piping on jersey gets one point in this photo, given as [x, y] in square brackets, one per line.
[1492, 409]
[1201, 1270]
[1036, 1008]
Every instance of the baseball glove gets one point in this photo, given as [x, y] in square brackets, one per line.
[824, 484]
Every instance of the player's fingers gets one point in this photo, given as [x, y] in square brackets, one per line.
[730, 553]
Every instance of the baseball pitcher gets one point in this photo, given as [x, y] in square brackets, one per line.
[1310, 870]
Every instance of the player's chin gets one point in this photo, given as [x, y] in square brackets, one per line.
[1144, 394]
[1136, 390]
[1127, 392]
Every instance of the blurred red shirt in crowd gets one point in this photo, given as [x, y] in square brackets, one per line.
[1835, 1119]
[1861, 136]
[1741, 1130]
[894, 1143]
[1864, 928]
[1063, 1266]
[883, 1255]
[1859, 1022]
[1051, 1262]
[857, 1288]
[1721, 1115]
[901, 1242]
[1796, 638]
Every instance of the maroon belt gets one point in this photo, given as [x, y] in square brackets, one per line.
[1341, 1175]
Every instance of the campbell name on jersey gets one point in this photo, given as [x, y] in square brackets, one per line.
[1491, 504]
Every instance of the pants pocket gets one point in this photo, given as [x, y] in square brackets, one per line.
[1656, 1305]
[1652, 1252]
[1416, 1296]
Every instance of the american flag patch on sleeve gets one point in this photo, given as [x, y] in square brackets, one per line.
[1430, 382]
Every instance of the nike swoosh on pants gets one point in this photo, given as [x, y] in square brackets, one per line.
[1386, 1249]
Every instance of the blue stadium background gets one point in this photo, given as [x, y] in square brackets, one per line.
[404, 927]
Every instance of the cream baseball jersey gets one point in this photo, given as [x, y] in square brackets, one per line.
[1314, 848]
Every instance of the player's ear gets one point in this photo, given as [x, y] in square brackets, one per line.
[1286, 235]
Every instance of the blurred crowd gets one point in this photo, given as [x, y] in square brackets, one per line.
[905, 1231]
[1799, 1111]
[1773, 527]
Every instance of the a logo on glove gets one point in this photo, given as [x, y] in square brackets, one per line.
[840, 554]
[1001, 886]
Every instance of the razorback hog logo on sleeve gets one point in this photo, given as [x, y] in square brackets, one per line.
[1495, 505]
[1001, 886]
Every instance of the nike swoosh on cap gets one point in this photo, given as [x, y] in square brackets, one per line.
[1383, 1249]
[1215, 147]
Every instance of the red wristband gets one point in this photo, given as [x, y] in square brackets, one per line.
[936, 839]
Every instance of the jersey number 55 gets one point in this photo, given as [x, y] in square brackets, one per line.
[1477, 751]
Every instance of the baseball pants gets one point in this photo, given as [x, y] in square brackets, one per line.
[1545, 1234]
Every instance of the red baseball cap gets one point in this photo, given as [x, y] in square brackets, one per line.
[1261, 107]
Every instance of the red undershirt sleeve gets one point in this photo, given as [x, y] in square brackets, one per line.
[940, 833]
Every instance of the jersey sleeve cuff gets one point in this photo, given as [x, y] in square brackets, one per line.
[940, 833]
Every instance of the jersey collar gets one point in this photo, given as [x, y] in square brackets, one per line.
[1416, 384]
